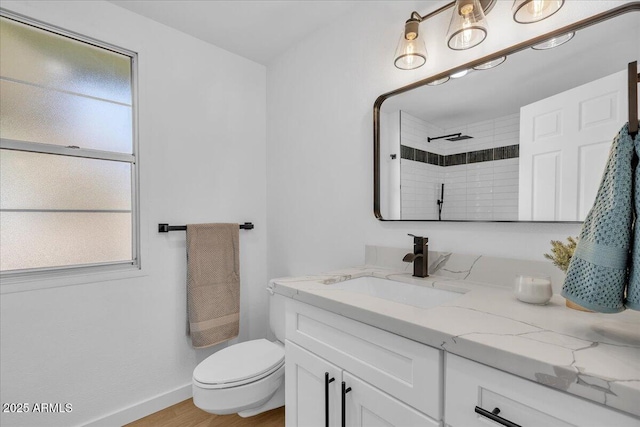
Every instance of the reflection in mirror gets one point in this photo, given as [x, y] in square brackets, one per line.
[525, 140]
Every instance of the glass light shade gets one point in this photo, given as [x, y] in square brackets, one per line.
[529, 11]
[490, 64]
[439, 81]
[468, 26]
[459, 74]
[410, 54]
[554, 42]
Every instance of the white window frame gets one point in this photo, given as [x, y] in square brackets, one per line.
[46, 277]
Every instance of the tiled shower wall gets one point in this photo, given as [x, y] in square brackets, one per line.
[481, 182]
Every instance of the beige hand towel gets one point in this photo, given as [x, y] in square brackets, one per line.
[213, 283]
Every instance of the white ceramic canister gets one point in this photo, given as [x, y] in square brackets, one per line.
[533, 289]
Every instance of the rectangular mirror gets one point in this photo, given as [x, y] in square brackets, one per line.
[525, 140]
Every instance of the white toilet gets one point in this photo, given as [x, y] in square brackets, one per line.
[247, 378]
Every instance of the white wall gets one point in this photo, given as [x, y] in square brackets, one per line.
[111, 345]
[320, 97]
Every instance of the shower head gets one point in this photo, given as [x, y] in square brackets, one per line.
[452, 137]
[459, 138]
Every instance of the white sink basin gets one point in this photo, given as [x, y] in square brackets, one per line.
[404, 293]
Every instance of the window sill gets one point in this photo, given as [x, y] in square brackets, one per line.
[52, 279]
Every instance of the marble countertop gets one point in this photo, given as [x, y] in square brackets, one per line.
[595, 356]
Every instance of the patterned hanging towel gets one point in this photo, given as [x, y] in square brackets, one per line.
[633, 288]
[213, 283]
[598, 271]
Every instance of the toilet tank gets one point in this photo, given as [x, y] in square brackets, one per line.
[277, 314]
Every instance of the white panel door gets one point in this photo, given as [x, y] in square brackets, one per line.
[367, 406]
[305, 399]
[564, 145]
[546, 168]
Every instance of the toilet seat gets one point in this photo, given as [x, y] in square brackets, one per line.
[239, 364]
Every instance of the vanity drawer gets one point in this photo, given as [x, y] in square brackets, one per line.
[405, 369]
[470, 384]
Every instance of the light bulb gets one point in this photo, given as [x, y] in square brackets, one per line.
[536, 7]
[467, 34]
[410, 59]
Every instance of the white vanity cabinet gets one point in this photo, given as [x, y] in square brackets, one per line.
[388, 380]
[472, 388]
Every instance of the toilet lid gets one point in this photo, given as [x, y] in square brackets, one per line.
[239, 362]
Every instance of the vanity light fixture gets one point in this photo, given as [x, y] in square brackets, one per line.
[554, 42]
[468, 26]
[411, 52]
[530, 11]
[439, 81]
[490, 64]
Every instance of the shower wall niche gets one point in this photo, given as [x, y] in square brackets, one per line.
[476, 178]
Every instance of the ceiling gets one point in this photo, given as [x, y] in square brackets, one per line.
[257, 30]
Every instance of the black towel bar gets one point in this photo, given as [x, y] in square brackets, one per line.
[165, 228]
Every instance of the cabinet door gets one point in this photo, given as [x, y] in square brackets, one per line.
[305, 377]
[368, 406]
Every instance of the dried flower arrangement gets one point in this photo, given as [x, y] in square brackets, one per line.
[561, 253]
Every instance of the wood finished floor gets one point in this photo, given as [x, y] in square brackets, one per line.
[186, 414]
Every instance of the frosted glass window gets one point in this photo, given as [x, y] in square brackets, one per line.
[68, 168]
[53, 239]
[42, 58]
[47, 116]
[47, 182]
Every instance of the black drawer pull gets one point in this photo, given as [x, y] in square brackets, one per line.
[345, 390]
[493, 416]
[327, 381]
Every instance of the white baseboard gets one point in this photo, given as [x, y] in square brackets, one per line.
[142, 409]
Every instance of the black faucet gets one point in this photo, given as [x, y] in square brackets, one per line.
[419, 257]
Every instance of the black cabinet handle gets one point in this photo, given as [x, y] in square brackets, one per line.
[345, 390]
[327, 381]
[493, 416]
